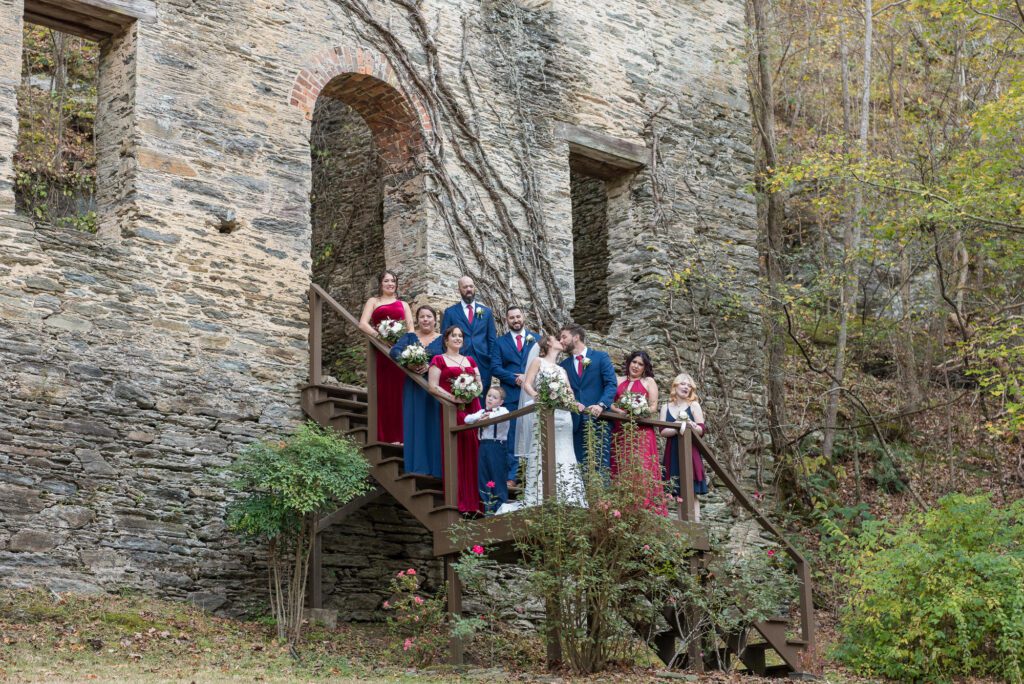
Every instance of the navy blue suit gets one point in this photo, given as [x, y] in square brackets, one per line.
[481, 336]
[596, 386]
[508, 361]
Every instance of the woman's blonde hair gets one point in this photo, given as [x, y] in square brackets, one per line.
[687, 378]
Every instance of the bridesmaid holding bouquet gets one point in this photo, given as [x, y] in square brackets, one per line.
[387, 318]
[635, 451]
[421, 419]
[456, 378]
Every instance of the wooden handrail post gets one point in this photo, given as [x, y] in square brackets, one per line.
[687, 510]
[806, 604]
[549, 489]
[450, 449]
[371, 393]
[316, 332]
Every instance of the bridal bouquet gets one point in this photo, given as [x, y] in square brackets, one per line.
[553, 391]
[390, 330]
[413, 356]
[635, 405]
[466, 387]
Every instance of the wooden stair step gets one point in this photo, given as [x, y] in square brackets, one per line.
[422, 481]
[764, 645]
[437, 494]
[339, 401]
[780, 670]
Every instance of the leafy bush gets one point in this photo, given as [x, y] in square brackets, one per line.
[286, 483]
[420, 622]
[737, 591]
[939, 595]
[608, 572]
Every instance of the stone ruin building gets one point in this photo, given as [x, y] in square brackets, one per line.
[570, 156]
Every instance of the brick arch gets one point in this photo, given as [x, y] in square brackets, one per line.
[363, 79]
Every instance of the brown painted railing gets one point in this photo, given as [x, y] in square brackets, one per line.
[450, 429]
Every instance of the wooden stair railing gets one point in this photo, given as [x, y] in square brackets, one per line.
[352, 411]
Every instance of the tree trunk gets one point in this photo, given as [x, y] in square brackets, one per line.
[763, 100]
[851, 241]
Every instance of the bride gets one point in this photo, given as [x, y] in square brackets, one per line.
[569, 482]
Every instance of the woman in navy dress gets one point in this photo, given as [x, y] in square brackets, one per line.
[683, 407]
[421, 414]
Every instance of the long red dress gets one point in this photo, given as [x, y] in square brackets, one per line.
[468, 442]
[638, 456]
[390, 379]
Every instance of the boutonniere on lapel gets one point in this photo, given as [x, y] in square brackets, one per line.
[479, 311]
[530, 338]
[586, 361]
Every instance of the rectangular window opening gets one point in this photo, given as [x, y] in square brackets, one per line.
[76, 113]
[590, 252]
[55, 158]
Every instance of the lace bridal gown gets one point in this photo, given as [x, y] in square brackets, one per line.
[569, 484]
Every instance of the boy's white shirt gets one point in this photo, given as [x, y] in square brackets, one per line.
[499, 431]
[486, 413]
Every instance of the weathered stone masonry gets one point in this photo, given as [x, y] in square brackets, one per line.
[135, 363]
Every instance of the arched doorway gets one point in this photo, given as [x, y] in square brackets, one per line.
[366, 204]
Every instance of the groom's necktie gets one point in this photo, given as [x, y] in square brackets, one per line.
[579, 365]
[519, 342]
[469, 312]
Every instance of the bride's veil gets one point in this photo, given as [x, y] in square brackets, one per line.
[524, 426]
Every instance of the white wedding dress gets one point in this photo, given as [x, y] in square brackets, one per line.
[569, 482]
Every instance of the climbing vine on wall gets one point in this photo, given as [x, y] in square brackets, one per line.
[487, 209]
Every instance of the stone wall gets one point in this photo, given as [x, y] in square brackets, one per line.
[116, 87]
[137, 362]
[10, 78]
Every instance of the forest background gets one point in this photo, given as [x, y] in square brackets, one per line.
[891, 192]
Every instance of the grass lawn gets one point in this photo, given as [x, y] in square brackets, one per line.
[125, 639]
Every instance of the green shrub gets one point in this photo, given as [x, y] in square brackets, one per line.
[607, 572]
[286, 484]
[939, 595]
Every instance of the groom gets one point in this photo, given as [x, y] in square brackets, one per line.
[592, 379]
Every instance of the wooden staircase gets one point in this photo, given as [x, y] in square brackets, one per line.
[344, 409]
[351, 411]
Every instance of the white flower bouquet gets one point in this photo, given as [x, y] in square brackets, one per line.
[413, 356]
[633, 404]
[466, 387]
[553, 392]
[390, 330]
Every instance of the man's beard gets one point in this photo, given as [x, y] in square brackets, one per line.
[515, 328]
[467, 299]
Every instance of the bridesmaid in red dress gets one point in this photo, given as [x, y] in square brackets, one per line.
[638, 457]
[444, 368]
[390, 377]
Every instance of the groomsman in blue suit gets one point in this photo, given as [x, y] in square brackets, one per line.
[592, 379]
[477, 323]
[511, 352]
